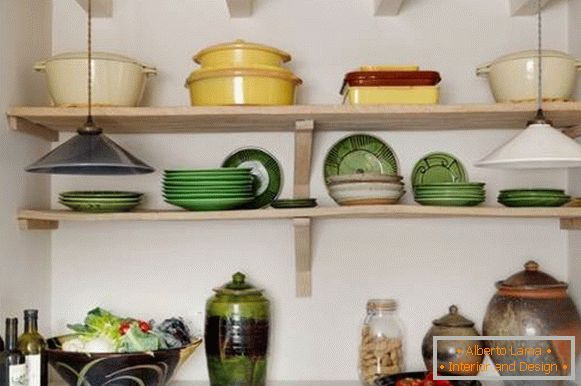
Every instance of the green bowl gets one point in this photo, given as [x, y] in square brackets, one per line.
[209, 204]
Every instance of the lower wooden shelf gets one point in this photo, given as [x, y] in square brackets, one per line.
[570, 219]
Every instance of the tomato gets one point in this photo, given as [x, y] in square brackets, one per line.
[429, 381]
[144, 326]
[409, 382]
[125, 326]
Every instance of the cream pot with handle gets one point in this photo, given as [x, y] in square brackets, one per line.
[514, 77]
[117, 80]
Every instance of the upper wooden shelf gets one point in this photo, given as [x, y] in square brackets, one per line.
[28, 217]
[46, 122]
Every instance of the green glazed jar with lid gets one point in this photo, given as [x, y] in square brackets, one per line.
[236, 334]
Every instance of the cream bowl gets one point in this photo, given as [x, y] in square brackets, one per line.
[118, 81]
[514, 77]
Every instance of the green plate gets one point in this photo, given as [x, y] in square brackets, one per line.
[209, 189]
[294, 203]
[265, 168]
[452, 185]
[450, 195]
[92, 207]
[207, 204]
[218, 184]
[535, 202]
[436, 168]
[241, 178]
[208, 172]
[101, 200]
[518, 191]
[360, 153]
[450, 201]
[180, 196]
[102, 193]
[531, 195]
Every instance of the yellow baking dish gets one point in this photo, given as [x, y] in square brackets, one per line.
[366, 95]
[240, 54]
[257, 85]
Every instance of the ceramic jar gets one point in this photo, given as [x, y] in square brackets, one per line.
[533, 303]
[452, 324]
[236, 334]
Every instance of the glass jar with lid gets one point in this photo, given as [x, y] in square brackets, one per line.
[381, 350]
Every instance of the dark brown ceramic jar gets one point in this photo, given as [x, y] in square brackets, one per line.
[532, 303]
[452, 324]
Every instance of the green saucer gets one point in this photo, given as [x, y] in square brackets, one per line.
[437, 168]
[92, 207]
[265, 169]
[100, 194]
[360, 154]
[294, 203]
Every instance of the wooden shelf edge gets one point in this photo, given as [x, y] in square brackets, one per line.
[224, 119]
[388, 211]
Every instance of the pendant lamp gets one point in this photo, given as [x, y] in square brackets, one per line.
[90, 152]
[540, 145]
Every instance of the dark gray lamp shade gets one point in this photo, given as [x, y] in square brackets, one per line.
[90, 154]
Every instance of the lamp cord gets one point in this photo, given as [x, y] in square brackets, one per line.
[89, 66]
[540, 60]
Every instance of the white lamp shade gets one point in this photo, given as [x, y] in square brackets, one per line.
[539, 146]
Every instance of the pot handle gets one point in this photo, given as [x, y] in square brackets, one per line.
[483, 70]
[149, 71]
[40, 66]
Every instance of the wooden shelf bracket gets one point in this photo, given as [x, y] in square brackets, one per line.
[101, 8]
[526, 7]
[240, 8]
[40, 225]
[303, 256]
[24, 125]
[387, 7]
[303, 156]
[571, 224]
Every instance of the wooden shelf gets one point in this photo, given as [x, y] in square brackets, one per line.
[47, 122]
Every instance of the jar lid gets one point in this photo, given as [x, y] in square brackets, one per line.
[381, 305]
[533, 54]
[453, 319]
[255, 70]
[241, 44]
[530, 279]
[96, 56]
[238, 286]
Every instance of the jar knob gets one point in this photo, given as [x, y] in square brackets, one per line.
[238, 278]
[531, 266]
[453, 310]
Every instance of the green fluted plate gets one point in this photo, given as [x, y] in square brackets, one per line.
[220, 184]
[535, 202]
[450, 201]
[100, 194]
[450, 195]
[209, 189]
[265, 169]
[436, 168]
[94, 207]
[101, 200]
[208, 172]
[179, 196]
[294, 203]
[527, 191]
[207, 204]
[359, 154]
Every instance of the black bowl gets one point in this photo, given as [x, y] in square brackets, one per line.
[154, 368]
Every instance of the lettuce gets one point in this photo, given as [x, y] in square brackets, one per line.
[99, 323]
[136, 340]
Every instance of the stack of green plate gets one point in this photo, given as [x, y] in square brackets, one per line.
[101, 201]
[533, 197]
[209, 189]
[294, 203]
[450, 194]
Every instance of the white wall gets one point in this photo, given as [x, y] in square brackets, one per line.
[25, 34]
[169, 268]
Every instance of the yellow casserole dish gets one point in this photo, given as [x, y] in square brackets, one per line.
[240, 54]
[258, 85]
[405, 95]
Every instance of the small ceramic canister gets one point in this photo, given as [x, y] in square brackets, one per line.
[452, 324]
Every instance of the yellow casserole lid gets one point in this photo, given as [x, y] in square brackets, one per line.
[255, 71]
[533, 54]
[95, 56]
[241, 44]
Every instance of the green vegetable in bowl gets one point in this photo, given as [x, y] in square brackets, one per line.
[137, 340]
